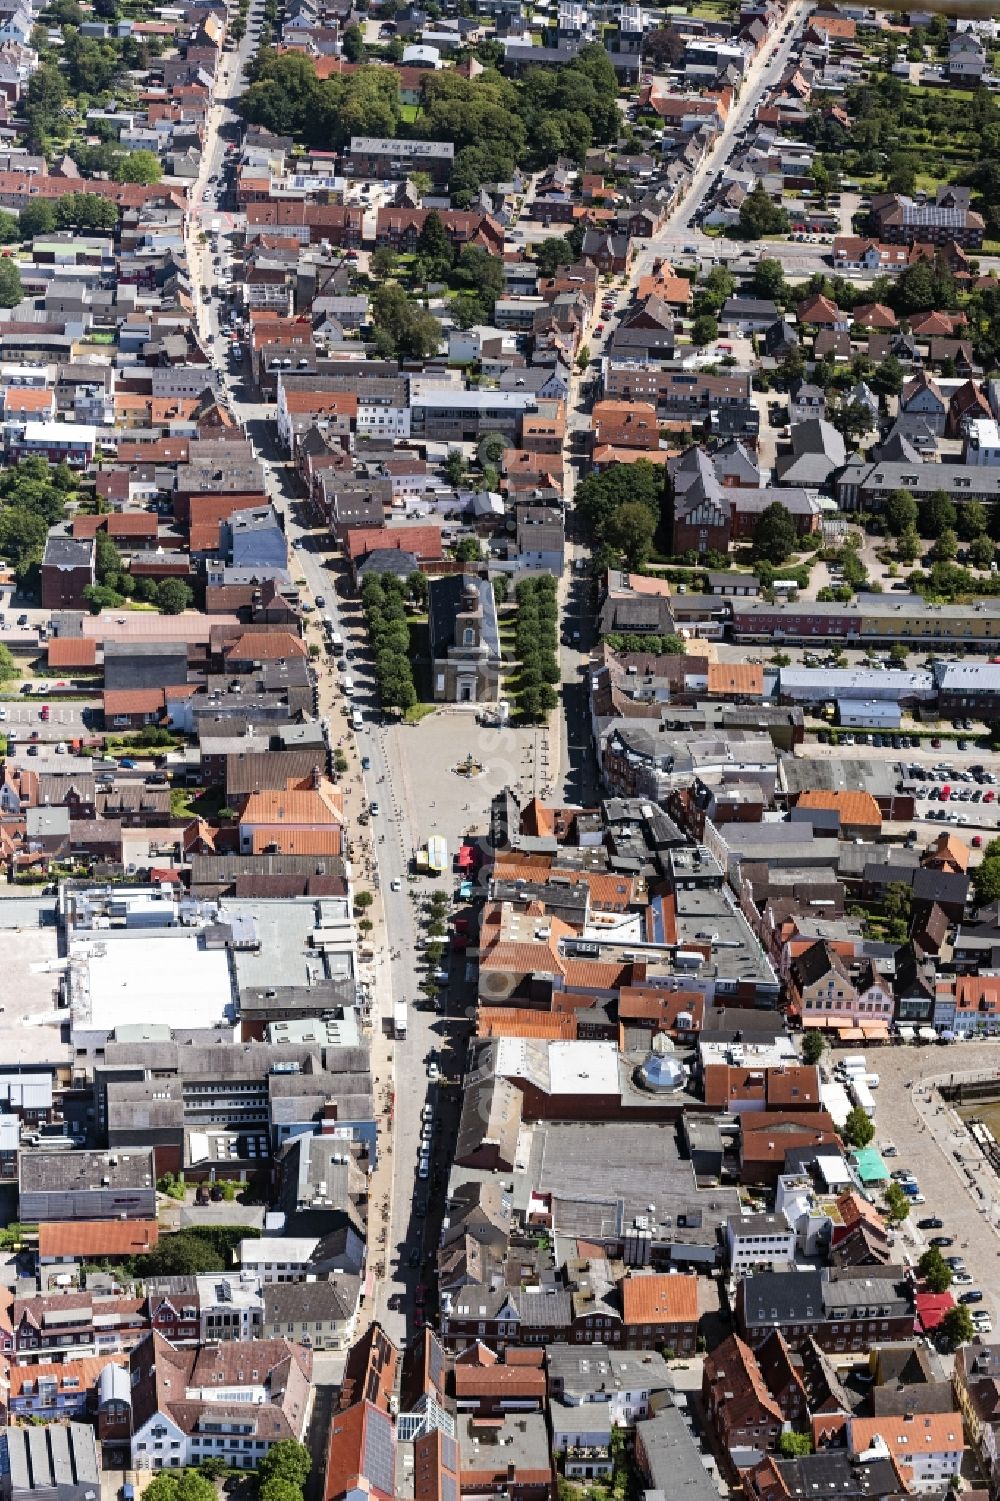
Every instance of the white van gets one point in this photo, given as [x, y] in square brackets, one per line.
[357, 721]
[872, 1080]
[348, 686]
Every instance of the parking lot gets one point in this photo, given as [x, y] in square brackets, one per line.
[959, 1186]
[23, 723]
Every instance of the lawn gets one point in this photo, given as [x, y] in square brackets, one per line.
[418, 712]
[409, 112]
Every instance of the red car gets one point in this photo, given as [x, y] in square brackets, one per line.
[420, 1295]
[945, 792]
[600, 328]
[989, 797]
[45, 712]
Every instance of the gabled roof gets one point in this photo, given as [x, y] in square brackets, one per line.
[95, 1238]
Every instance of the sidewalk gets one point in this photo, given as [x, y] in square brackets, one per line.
[332, 705]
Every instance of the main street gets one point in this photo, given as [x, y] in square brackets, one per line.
[381, 849]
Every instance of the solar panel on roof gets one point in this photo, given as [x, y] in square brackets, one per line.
[379, 1456]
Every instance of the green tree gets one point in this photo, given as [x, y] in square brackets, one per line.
[354, 43]
[279, 1489]
[598, 496]
[10, 229]
[551, 253]
[469, 550]
[138, 166]
[37, 218]
[986, 881]
[945, 549]
[935, 1270]
[795, 1445]
[704, 330]
[174, 596]
[481, 272]
[434, 245]
[46, 96]
[982, 552]
[455, 467]
[401, 326]
[908, 545]
[900, 513]
[887, 377]
[937, 514]
[184, 1254]
[107, 559]
[8, 667]
[774, 534]
[813, 1045]
[383, 262]
[897, 1204]
[973, 520]
[769, 279]
[11, 288]
[898, 654]
[759, 216]
[286, 1460]
[858, 1129]
[717, 286]
[22, 536]
[490, 450]
[957, 1326]
[631, 531]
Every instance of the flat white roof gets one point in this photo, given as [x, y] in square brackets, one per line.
[165, 974]
[60, 432]
[583, 1067]
[254, 1252]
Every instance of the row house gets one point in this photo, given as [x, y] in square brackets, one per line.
[841, 1313]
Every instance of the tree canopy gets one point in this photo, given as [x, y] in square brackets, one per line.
[774, 534]
[935, 1270]
[180, 1485]
[494, 123]
[760, 216]
[600, 497]
[402, 327]
[858, 1129]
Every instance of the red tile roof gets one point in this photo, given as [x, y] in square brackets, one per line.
[97, 1238]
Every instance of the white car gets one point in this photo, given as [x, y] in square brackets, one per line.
[396, 885]
[433, 1072]
[423, 1169]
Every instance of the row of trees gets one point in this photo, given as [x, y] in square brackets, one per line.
[384, 602]
[536, 645]
[495, 124]
[115, 584]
